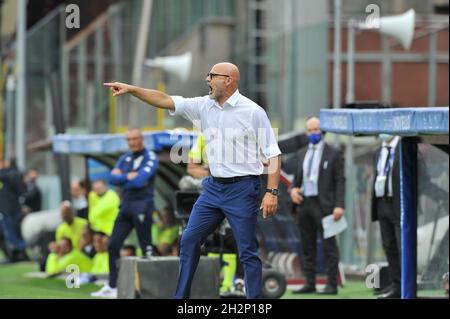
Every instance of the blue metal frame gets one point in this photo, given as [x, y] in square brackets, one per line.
[406, 122]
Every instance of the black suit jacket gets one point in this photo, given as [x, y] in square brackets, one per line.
[395, 182]
[331, 183]
[11, 187]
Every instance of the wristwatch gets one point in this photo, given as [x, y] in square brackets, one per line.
[273, 191]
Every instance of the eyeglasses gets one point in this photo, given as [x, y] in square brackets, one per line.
[212, 75]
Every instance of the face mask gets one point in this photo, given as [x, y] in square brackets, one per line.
[385, 137]
[315, 138]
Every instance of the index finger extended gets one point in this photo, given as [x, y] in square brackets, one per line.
[110, 84]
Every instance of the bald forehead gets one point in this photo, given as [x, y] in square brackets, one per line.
[313, 122]
[66, 209]
[135, 132]
[227, 68]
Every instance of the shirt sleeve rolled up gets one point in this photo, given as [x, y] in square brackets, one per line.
[189, 108]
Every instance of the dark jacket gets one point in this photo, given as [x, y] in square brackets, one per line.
[142, 187]
[32, 197]
[395, 171]
[424, 186]
[331, 183]
[11, 187]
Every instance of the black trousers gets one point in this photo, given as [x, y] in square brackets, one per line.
[389, 220]
[310, 224]
[137, 215]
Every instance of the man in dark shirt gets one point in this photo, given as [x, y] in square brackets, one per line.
[32, 197]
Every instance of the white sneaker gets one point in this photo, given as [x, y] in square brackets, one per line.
[106, 292]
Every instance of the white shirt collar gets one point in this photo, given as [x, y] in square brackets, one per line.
[393, 143]
[232, 100]
[317, 146]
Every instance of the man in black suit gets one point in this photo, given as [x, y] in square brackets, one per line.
[386, 203]
[386, 207]
[318, 190]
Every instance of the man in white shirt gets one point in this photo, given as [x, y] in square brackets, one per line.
[238, 138]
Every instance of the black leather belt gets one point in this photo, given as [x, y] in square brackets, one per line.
[386, 199]
[230, 180]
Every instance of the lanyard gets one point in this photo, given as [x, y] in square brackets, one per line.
[387, 164]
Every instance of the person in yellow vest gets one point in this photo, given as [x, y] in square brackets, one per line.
[71, 227]
[100, 262]
[103, 207]
[197, 167]
[165, 232]
[63, 255]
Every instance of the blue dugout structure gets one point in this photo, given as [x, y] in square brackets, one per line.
[415, 125]
[116, 143]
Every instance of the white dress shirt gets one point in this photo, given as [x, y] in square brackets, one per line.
[238, 136]
[381, 164]
[312, 188]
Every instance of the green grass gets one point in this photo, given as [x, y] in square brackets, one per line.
[14, 284]
[351, 290]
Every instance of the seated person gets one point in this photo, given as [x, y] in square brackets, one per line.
[86, 244]
[100, 262]
[128, 251]
[62, 255]
[103, 207]
[78, 192]
[197, 167]
[215, 245]
[165, 232]
[71, 227]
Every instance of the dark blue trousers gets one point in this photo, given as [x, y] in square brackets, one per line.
[239, 203]
[11, 226]
[132, 214]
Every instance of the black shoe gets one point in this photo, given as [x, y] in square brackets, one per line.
[19, 256]
[392, 294]
[328, 290]
[306, 289]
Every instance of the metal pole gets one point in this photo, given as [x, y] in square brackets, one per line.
[142, 40]
[82, 119]
[348, 244]
[408, 212]
[350, 96]
[62, 160]
[386, 78]
[337, 59]
[432, 69]
[10, 90]
[288, 107]
[21, 84]
[64, 56]
[1, 23]
[117, 53]
[141, 46]
[99, 125]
